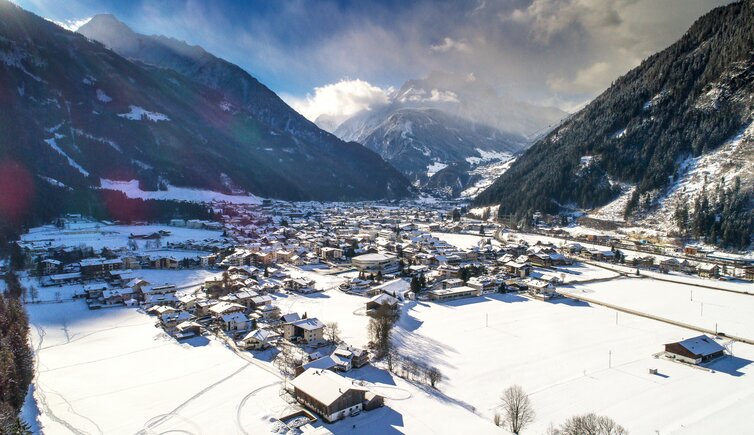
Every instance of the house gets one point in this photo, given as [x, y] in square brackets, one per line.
[383, 301]
[268, 311]
[695, 350]
[186, 330]
[485, 284]
[749, 273]
[96, 267]
[223, 308]
[359, 357]
[236, 321]
[257, 339]
[328, 394]
[540, 289]
[330, 254]
[517, 268]
[453, 293]
[171, 319]
[299, 285]
[708, 270]
[304, 330]
[398, 288]
[50, 266]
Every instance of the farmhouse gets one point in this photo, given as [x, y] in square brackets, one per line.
[695, 350]
[381, 301]
[257, 339]
[304, 330]
[331, 395]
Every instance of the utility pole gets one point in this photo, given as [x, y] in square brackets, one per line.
[610, 359]
[616, 317]
[692, 295]
[487, 320]
[702, 310]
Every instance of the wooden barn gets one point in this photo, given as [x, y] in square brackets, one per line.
[695, 350]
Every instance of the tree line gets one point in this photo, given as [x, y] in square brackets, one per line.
[16, 357]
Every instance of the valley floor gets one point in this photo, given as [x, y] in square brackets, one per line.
[111, 371]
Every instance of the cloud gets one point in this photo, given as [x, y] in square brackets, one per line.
[450, 44]
[336, 102]
[550, 18]
[563, 51]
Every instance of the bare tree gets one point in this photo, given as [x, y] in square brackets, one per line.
[380, 325]
[591, 424]
[517, 410]
[332, 331]
[434, 375]
[34, 293]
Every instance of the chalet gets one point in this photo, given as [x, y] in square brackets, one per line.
[516, 268]
[94, 291]
[117, 296]
[359, 357]
[381, 301]
[160, 262]
[223, 308]
[398, 288]
[708, 270]
[299, 285]
[695, 350]
[236, 321]
[171, 319]
[485, 284]
[186, 330]
[749, 273]
[540, 289]
[540, 259]
[267, 311]
[304, 330]
[257, 339]
[329, 394]
[153, 299]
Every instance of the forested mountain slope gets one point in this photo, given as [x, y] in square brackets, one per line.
[75, 112]
[679, 104]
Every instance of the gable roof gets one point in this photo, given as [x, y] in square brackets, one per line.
[701, 345]
[323, 385]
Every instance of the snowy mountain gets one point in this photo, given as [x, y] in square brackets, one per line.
[669, 143]
[446, 120]
[75, 112]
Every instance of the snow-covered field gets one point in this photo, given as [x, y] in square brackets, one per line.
[92, 362]
[132, 190]
[700, 307]
[113, 372]
[98, 235]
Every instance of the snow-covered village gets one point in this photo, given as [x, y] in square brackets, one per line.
[378, 318]
[520, 217]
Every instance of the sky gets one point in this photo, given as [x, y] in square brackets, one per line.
[337, 57]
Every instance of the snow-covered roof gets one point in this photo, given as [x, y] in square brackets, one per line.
[701, 345]
[384, 299]
[309, 324]
[323, 385]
